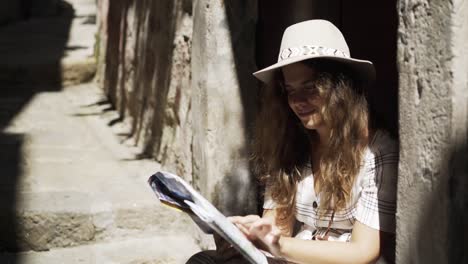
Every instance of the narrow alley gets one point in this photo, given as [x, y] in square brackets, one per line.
[97, 95]
[72, 190]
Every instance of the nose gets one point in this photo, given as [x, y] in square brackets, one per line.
[298, 98]
[298, 103]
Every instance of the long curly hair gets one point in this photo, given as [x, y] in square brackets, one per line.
[283, 146]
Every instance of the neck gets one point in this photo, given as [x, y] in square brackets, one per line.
[323, 134]
[318, 139]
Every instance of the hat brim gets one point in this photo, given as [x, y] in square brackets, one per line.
[363, 68]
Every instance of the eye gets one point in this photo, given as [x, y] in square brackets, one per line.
[311, 88]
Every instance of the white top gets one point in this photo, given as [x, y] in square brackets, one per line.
[373, 201]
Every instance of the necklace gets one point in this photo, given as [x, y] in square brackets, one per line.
[316, 235]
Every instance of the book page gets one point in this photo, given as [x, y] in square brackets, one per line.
[209, 215]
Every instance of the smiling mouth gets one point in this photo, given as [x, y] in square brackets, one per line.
[306, 113]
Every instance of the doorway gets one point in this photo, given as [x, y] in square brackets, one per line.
[369, 27]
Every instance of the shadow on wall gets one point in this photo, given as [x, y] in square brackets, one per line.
[242, 19]
[21, 78]
[458, 205]
[444, 214]
[370, 28]
[142, 39]
[138, 57]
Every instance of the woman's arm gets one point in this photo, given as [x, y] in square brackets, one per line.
[245, 222]
[364, 246]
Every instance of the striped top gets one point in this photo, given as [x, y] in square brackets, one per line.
[373, 200]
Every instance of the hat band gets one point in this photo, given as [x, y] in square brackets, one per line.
[310, 50]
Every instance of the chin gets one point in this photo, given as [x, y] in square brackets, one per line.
[311, 124]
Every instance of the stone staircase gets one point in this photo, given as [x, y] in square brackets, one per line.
[82, 196]
[71, 190]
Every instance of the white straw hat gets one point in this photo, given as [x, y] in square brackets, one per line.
[316, 39]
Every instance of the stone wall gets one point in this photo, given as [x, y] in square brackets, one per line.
[145, 71]
[224, 99]
[179, 74]
[432, 218]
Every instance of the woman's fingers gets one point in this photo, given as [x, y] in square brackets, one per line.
[261, 226]
[243, 223]
[276, 234]
[260, 229]
[243, 229]
[267, 234]
[244, 220]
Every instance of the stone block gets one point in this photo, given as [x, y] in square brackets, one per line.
[42, 231]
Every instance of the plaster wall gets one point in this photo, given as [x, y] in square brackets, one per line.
[432, 117]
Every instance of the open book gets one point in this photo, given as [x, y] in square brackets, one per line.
[175, 192]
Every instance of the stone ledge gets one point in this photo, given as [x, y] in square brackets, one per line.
[56, 220]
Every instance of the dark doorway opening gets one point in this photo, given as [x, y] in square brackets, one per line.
[370, 28]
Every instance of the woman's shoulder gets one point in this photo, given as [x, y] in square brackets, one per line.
[383, 142]
[381, 160]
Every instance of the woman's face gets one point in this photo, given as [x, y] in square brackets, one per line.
[303, 96]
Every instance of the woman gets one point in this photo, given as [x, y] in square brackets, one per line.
[327, 169]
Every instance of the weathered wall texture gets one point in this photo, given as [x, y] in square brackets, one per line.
[432, 200]
[223, 101]
[190, 106]
[145, 71]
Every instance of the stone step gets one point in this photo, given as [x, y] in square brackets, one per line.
[154, 250]
[53, 50]
[66, 179]
[48, 220]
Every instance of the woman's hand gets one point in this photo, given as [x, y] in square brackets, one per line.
[223, 248]
[261, 231]
[266, 235]
[244, 222]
